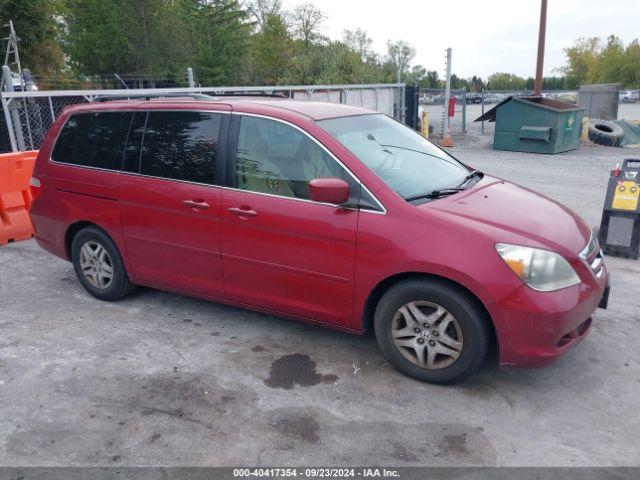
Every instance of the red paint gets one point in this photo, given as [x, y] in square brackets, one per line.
[35, 186]
[329, 190]
[318, 262]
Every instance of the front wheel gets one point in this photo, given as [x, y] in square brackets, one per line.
[432, 331]
[99, 266]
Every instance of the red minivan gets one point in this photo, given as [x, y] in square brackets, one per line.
[320, 212]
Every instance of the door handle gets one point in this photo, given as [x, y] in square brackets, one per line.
[196, 204]
[243, 212]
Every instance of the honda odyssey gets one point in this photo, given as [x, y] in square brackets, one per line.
[320, 212]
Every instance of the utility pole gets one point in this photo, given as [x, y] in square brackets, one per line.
[537, 90]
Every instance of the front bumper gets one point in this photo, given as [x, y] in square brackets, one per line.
[536, 328]
[604, 301]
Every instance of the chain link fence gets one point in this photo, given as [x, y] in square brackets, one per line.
[27, 116]
[432, 103]
[471, 105]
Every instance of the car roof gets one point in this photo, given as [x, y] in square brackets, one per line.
[310, 109]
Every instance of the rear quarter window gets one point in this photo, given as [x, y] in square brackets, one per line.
[94, 139]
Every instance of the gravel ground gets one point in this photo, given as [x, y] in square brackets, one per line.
[161, 379]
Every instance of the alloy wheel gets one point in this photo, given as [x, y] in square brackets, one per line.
[427, 335]
[96, 264]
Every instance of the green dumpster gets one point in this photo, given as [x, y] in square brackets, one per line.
[535, 124]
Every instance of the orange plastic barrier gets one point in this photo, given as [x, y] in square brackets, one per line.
[15, 196]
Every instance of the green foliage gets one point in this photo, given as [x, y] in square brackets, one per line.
[219, 42]
[506, 81]
[157, 37]
[37, 32]
[399, 56]
[590, 60]
[253, 42]
[270, 51]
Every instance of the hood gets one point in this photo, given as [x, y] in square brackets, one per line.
[513, 214]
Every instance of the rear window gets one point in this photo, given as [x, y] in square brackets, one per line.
[93, 140]
[181, 146]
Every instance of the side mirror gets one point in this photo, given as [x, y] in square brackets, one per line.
[329, 190]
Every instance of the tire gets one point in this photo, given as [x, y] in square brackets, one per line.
[472, 332]
[105, 254]
[605, 133]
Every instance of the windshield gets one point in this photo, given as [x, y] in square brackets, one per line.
[402, 158]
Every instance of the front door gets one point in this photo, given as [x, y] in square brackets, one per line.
[279, 249]
[170, 201]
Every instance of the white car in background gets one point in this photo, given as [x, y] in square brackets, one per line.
[629, 96]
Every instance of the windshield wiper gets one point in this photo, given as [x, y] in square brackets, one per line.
[435, 194]
[475, 174]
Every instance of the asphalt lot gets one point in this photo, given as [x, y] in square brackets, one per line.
[161, 379]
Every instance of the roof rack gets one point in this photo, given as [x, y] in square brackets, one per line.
[252, 94]
[195, 96]
[147, 96]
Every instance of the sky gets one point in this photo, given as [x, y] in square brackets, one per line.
[486, 36]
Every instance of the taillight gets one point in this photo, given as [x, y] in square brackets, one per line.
[35, 186]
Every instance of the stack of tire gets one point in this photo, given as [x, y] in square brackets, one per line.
[604, 132]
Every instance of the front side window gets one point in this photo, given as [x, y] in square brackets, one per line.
[273, 157]
[93, 139]
[403, 159]
[181, 146]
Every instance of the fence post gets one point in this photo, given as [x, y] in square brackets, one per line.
[464, 110]
[190, 79]
[7, 118]
[12, 115]
[482, 110]
[447, 93]
[403, 111]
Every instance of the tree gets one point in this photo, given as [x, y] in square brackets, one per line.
[416, 74]
[262, 9]
[271, 50]
[37, 32]
[399, 55]
[158, 38]
[590, 60]
[306, 21]
[219, 41]
[431, 80]
[631, 65]
[476, 84]
[582, 59]
[506, 81]
[609, 67]
[358, 41]
[107, 36]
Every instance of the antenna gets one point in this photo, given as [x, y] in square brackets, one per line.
[12, 48]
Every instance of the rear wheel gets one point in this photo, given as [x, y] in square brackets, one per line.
[99, 266]
[432, 331]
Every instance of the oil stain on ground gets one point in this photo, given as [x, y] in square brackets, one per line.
[298, 427]
[289, 370]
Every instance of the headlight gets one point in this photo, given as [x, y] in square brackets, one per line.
[540, 269]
